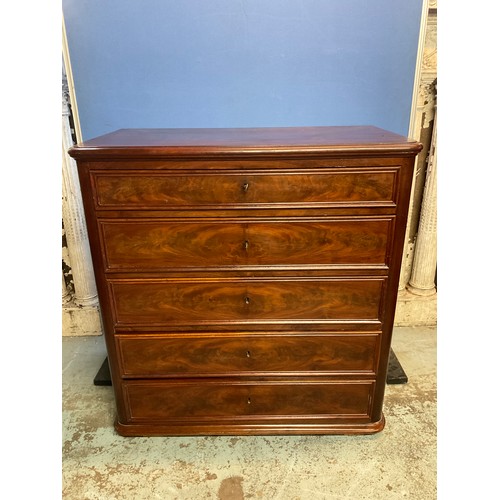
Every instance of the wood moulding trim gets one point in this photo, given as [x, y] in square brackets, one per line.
[71, 82]
[232, 153]
[412, 131]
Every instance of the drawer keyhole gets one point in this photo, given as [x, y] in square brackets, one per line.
[249, 401]
[246, 245]
[245, 187]
[247, 300]
[248, 354]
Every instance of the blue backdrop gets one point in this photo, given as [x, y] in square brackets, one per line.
[242, 63]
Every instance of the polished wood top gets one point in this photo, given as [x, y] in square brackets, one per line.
[172, 142]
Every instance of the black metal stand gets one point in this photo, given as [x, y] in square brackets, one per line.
[395, 372]
[103, 376]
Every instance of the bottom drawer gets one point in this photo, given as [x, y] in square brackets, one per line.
[192, 401]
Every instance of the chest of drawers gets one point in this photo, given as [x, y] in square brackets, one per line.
[247, 277]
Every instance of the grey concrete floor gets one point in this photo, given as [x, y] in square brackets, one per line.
[397, 463]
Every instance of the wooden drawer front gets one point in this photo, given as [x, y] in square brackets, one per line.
[159, 190]
[155, 356]
[171, 301]
[173, 245]
[164, 400]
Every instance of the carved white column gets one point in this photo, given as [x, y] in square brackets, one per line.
[85, 293]
[417, 303]
[421, 116]
[424, 117]
[422, 280]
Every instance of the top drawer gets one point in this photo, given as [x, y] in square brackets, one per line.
[134, 190]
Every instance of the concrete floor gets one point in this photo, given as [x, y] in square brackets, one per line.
[397, 463]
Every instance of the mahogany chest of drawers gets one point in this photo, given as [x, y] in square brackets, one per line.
[247, 277]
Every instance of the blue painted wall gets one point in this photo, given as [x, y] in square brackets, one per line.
[242, 63]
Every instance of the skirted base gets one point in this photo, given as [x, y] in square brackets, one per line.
[248, 429]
